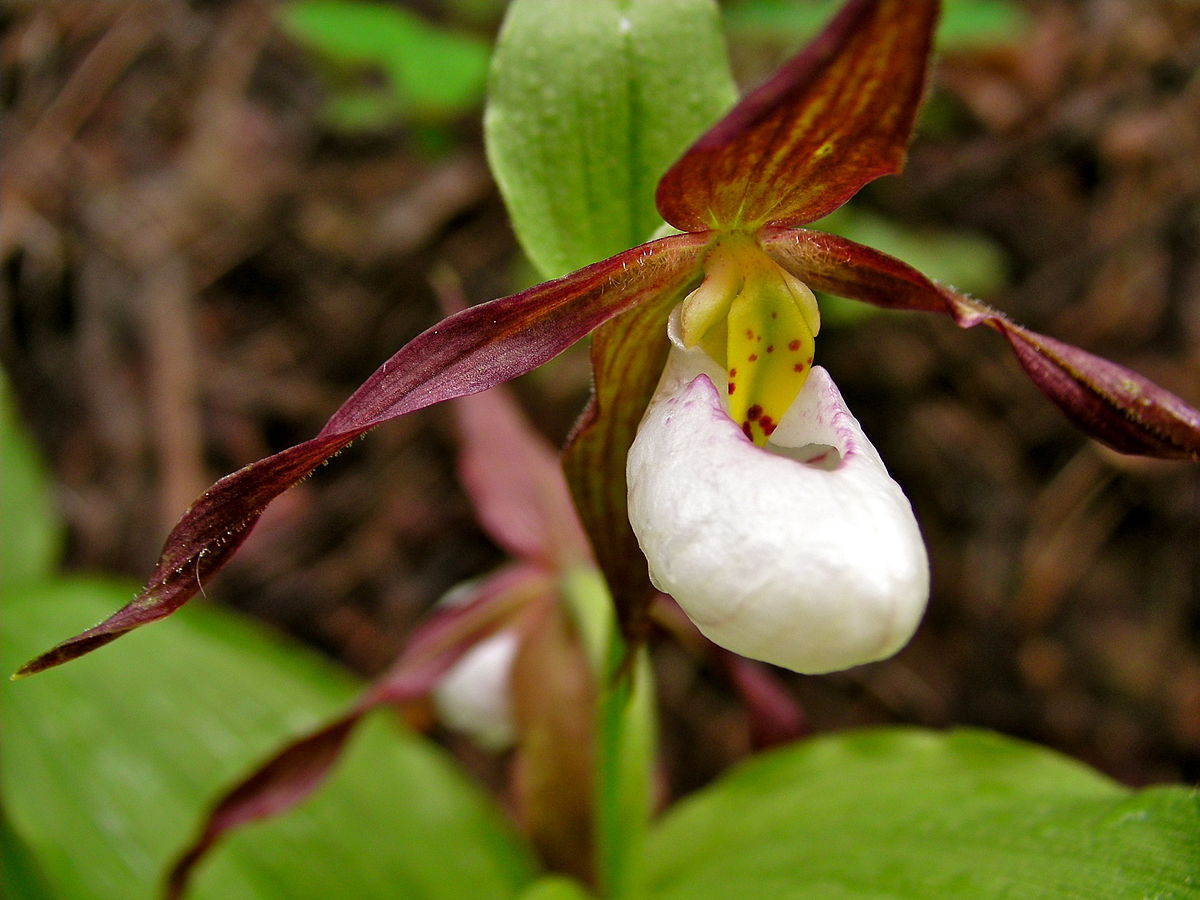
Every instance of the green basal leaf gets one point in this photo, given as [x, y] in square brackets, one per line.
[906, 813]
[108, 765]
[30, 533]
[431, 70]
[589, 102]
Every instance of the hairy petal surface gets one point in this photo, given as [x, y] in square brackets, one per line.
[1108, 402]
[839, 115]
[804, 553]
[468, 352]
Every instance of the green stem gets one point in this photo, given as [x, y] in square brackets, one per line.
[625, 741]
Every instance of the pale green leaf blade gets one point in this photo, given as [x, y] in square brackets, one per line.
[909, 814]
[590, 101]
[109, 763]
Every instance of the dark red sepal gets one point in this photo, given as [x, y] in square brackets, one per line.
[468, 352]
[839, 115]
[1113, 404]
[1109, 402]
[837, 265]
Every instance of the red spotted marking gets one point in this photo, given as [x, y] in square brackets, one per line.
[767, 424]
[747, 431]
[753, 357]
[754, 412]
[793, 346]
[770, 348]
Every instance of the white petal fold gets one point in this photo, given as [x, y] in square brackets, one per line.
[804, 553]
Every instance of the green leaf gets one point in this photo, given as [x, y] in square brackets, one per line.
[589, 102]
[626, 732]
[965, 23]
[626, 776]
[30, 533]
[23, 878]
[431, 70]
[905, 813]
[555, 887]
[974, 23]
[358, 109]
[778, 21]
[108, 765]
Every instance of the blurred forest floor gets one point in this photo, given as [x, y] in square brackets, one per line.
[198, 268]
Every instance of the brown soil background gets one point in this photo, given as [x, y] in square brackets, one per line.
[196, 272]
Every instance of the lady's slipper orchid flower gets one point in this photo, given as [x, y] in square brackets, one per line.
[837, 116]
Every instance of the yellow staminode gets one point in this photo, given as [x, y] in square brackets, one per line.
[759, 323]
